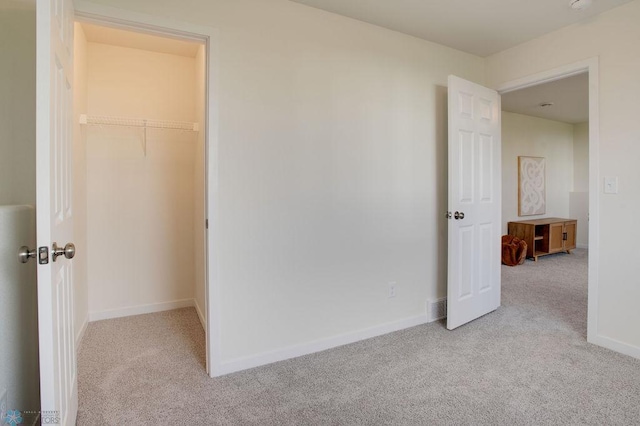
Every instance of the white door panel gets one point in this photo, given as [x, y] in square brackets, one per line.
[474, 202]
[54, 79]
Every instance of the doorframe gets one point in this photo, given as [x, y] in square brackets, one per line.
[123, 19]
[591, 67]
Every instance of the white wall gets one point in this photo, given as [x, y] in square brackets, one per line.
[523, 135]
[581, 157]
[138, 83]
[332, 171]
[579, 198]
[17, 102]
[613, 38]
[19, 372]
[80, 275]
[140, 207]
[199, 250]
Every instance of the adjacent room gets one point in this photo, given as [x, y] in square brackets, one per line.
[547, 126]
[548, 123]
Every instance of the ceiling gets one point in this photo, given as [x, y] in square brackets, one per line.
[570, 98]
[134, 40]
[481, 27]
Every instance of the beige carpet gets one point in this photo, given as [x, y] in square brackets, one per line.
[527, 363]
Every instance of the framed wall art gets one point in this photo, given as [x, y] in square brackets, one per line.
[531, 186]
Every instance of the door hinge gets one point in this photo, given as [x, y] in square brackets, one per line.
[43, 255]
[206, 223]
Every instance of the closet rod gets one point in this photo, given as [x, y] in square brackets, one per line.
[137, 122]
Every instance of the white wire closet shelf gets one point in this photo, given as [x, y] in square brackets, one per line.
[103, 120]
[141, 123]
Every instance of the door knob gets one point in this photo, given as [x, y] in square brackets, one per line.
[67, 251]
[458, 215]
[24, 254]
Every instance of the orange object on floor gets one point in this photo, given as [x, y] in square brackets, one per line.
[514, 250]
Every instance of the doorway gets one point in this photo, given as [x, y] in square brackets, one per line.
[581, 199]
[139, 172]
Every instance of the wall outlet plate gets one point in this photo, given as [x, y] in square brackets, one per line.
[3, 407]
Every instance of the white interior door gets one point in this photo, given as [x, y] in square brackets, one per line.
[54, 79]
[474, 202]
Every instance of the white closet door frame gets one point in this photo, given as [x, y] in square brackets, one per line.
[591, 66]
[118, 18]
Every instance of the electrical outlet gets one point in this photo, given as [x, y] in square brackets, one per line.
[3, 407]
[392, 289]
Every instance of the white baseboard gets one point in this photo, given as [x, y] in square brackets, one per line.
[316, 346]
[81, 332]
[582, 246]
[140, 309]
[617, 346]
[200, 315]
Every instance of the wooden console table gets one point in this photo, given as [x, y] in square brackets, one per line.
[545, 236]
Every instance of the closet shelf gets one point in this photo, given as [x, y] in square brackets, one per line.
[102, 120]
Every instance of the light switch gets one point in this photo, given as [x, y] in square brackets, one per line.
[611, 185]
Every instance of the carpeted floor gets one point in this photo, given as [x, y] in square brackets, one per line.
[527, 363]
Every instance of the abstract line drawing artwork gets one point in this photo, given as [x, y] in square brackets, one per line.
[531, 186]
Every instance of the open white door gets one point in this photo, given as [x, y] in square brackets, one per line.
[474, 202]
[54, 79]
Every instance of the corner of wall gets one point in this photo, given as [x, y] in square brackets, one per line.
[200, 311]
[200, 248]
[81, 285]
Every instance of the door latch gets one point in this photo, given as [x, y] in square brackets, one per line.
[43, 255]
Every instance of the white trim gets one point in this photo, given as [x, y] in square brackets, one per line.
[547, 76]
[582, 246]
[591, 66]
[212, 287]
[617, 346]
[594, 199]
[319, 345]
[200, 316]
[140, 309]
[106, 15]
[81, 332]
[93, 13]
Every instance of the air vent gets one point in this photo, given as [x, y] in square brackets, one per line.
[436, 309]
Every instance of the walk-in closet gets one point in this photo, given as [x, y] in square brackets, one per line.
[139, 172]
